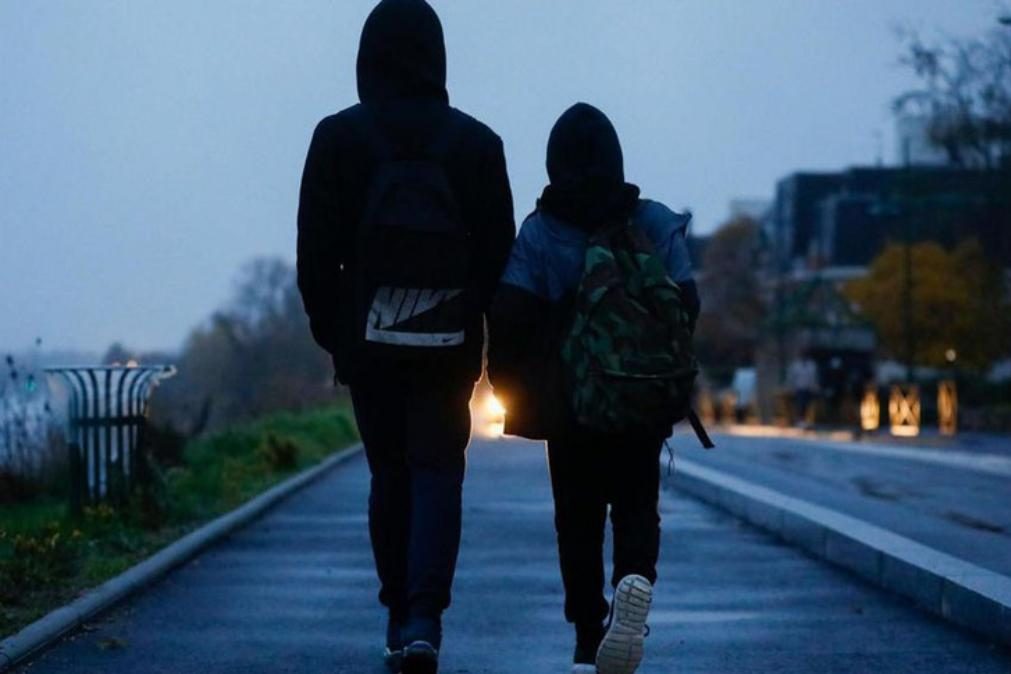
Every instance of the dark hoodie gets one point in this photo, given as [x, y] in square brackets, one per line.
[402, 54]
[402, 86]
[587, 173]
[532, 308]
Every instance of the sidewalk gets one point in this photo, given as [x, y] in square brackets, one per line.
[955, 504]
[296, 593]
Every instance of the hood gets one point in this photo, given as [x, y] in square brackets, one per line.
[586, 169]
[402, 54]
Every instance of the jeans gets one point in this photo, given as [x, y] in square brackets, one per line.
[415, 435]
[589, 472]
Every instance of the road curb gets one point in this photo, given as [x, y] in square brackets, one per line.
[45, 631]
[956, 590]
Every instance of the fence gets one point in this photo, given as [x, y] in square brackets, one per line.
[107, 414]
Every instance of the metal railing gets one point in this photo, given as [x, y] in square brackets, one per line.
[107, 414]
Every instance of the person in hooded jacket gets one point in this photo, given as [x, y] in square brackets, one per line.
[589, 470]
[413, 418]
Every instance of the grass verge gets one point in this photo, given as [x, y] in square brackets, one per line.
[47, 557]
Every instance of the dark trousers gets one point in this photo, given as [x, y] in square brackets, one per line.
[415, 435]
[589, 472]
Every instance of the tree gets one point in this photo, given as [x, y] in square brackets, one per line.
[958, 303]
[733, 310]
[965, 93]
[254, 356]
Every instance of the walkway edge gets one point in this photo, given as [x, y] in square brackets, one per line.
[47, 630]
[958, 591]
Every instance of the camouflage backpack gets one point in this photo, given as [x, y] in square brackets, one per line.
[627, 357]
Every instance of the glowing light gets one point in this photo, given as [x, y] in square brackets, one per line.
[132, 363]
[951, 355]
[494, 413]
[947, 407]
[870, 410]
[494, 407]
[904, 411]
[488, 413]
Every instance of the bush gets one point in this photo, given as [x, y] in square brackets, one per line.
[163, 444]
[280, 454]
[43, 559]
[29, 446]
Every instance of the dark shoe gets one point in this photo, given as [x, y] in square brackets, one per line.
[422, 638]
[588, 639]
[621, 650]
[420, 657]
[393, 655]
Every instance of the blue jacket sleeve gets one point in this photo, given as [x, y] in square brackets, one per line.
[518, 329]
[672, 229]
[525, 267]
[679, 263]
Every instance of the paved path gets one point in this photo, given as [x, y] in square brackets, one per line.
[961, 510]
[295, 593]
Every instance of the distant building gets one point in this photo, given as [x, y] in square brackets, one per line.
[913, 146]
[837, 223]
[790, 224]
[824, 229]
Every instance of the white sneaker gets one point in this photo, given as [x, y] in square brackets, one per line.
[621, 650]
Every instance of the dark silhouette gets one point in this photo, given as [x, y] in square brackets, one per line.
[589, 469]
[405, 225]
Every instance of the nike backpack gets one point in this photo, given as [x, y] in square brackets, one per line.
[627, 358]
[413, 255]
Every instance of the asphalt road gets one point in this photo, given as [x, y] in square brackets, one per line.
[295, 592]
[961, 507]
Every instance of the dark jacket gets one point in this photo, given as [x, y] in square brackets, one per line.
[531, 309]
[402, 88]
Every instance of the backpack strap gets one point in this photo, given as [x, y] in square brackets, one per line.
[700, 430]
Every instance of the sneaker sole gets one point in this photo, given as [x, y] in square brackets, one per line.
[622, 648]
[420, 658]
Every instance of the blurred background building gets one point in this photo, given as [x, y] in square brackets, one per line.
[817, 238]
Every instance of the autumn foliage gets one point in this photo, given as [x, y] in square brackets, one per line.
[958, 302]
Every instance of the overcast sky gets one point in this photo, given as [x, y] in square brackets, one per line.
[149, 148]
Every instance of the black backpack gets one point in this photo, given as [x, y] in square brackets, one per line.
[413, 259]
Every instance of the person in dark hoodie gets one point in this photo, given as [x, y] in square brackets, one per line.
[410, 381]
[589, 470]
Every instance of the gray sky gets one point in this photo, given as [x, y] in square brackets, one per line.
[149, 148]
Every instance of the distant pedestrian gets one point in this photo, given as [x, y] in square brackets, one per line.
[591, 350]
[802, 376]
[404, 227]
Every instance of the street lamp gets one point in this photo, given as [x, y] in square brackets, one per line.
[947, 397]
